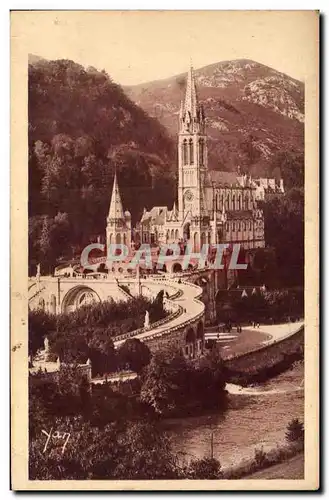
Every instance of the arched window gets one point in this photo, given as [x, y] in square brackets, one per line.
[239, 202]
[201, 152]
[233, 202]
[233, 226]
[228, 202]
[196, 242]
[246, 202]
[191, 151]
[184, 152]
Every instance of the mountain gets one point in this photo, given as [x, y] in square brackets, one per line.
[253, 112]
[81, 128]
[34, 59]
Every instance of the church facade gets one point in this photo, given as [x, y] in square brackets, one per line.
[212, 206]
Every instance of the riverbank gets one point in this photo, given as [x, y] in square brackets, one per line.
[251, 421]
[262, 462]
[289, 469]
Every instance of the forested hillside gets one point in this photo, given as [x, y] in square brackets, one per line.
[81, 127]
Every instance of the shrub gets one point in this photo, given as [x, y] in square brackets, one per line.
[204, 468]
[295, 431]
[260, 458]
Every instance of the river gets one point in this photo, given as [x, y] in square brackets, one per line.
[256, 417]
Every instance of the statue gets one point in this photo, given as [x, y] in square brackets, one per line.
[46, 345]
[38, 271]
[147, 320]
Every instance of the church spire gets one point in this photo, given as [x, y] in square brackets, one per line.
[191, 115]
[191, 98]
[116, 209]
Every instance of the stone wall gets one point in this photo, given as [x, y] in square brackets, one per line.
[266, 358]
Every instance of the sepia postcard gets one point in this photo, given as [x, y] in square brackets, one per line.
[164, 250]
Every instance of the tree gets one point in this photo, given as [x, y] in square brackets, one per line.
[135, 354]
[204, 468]
[171, 385]
[102, 354]
[164, 382]
[284, 230]
[291, 166]
[120, 450]
[147, 454]
[295, 431]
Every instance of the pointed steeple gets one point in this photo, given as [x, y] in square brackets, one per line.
[191, 98]
[116, 209]
[191, 115]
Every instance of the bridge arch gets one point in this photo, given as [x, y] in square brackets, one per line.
[78, 297]
[190, 343]
[177, 267]
[200, 338]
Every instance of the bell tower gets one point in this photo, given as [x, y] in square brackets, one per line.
[192, 161]
[192, 153]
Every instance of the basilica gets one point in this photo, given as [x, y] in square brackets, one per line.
[212, 206]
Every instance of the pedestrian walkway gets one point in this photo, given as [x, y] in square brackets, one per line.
[278, 332]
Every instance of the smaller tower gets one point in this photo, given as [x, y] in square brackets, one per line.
[118, 229]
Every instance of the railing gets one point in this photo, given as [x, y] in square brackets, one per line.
[128, 295]
[111, 377]
[133, 333]
[178, 327]
[36, 293]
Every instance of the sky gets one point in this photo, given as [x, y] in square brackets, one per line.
[136, 46]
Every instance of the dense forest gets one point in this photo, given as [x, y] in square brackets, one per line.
[81, 128]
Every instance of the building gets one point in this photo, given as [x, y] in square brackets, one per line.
[118, 228]
[212, 206]
[266, 188]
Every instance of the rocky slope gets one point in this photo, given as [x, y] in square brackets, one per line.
[253, 112]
